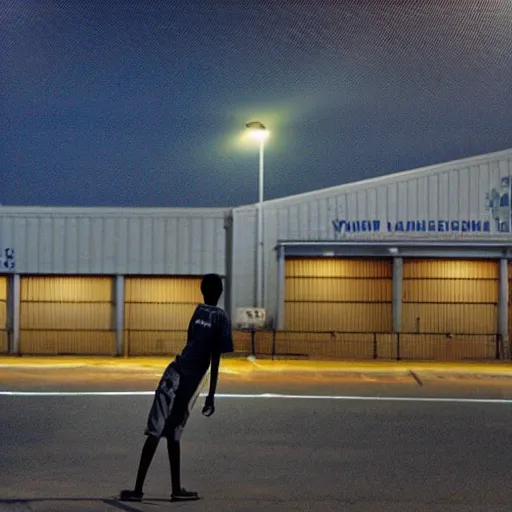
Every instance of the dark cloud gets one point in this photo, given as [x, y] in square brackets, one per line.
[140, 103]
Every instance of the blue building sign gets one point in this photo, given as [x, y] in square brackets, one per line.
[412, 226]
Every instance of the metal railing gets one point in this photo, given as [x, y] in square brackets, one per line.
[333, 345]
[377, 345]
[330, 345]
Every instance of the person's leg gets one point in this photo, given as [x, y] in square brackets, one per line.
[179, 417]
[178, 492]
[146, 457]
[174, 452]
[148, 452]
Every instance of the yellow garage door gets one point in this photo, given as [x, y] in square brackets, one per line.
[67, 315]
[450, 309]
[157, 313]
[4, 340]
[450, 296]
[340, 295]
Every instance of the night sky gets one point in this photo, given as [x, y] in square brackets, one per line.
[143, 102]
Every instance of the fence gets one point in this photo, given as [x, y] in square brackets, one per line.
[334, 345]
[278, 344]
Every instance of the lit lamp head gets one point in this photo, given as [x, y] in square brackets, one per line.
[257, 131]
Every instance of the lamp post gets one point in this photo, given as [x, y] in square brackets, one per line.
[258, 132]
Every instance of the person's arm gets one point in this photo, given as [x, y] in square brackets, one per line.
[225, 344]
[214, 373]
[209, 405]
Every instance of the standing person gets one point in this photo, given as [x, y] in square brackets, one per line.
[209, 336]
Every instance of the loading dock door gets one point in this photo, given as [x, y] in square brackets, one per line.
[343, 295]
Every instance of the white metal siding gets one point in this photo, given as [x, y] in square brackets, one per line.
[455, 191]
[120, 241]
[395, 177]
[244, 258]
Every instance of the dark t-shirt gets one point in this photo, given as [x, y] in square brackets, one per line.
[209, 330]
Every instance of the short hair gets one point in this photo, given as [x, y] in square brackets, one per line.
[211, 286]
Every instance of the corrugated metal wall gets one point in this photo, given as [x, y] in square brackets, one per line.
[441, 296]
[67, 315]
[338, 295]
[157, 313]
[453, 191]
[243, 259]
[114, 241]
[4, 340]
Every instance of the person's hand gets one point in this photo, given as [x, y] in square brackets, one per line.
[209, 406]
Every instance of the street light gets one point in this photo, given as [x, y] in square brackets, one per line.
[258, 132]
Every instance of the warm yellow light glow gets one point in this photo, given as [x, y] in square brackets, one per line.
[257, 131]
[277, 119]
[259, 135]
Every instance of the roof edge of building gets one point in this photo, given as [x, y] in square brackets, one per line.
[390, 178]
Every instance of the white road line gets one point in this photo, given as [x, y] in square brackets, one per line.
[41, 367]
[75, 393]
[266, 395]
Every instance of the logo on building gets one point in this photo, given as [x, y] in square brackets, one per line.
[7, 259]
[497, 203]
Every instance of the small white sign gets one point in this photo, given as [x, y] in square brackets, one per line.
[250, 317]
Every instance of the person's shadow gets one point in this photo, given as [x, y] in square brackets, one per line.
[112, 502]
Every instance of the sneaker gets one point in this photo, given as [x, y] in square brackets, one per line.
[128, 495]
[184, 495]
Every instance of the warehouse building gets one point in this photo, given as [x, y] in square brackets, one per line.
[409, 265]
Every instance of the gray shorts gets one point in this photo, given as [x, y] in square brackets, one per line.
[173, 402]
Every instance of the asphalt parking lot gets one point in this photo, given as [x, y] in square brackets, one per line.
[364, 445]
